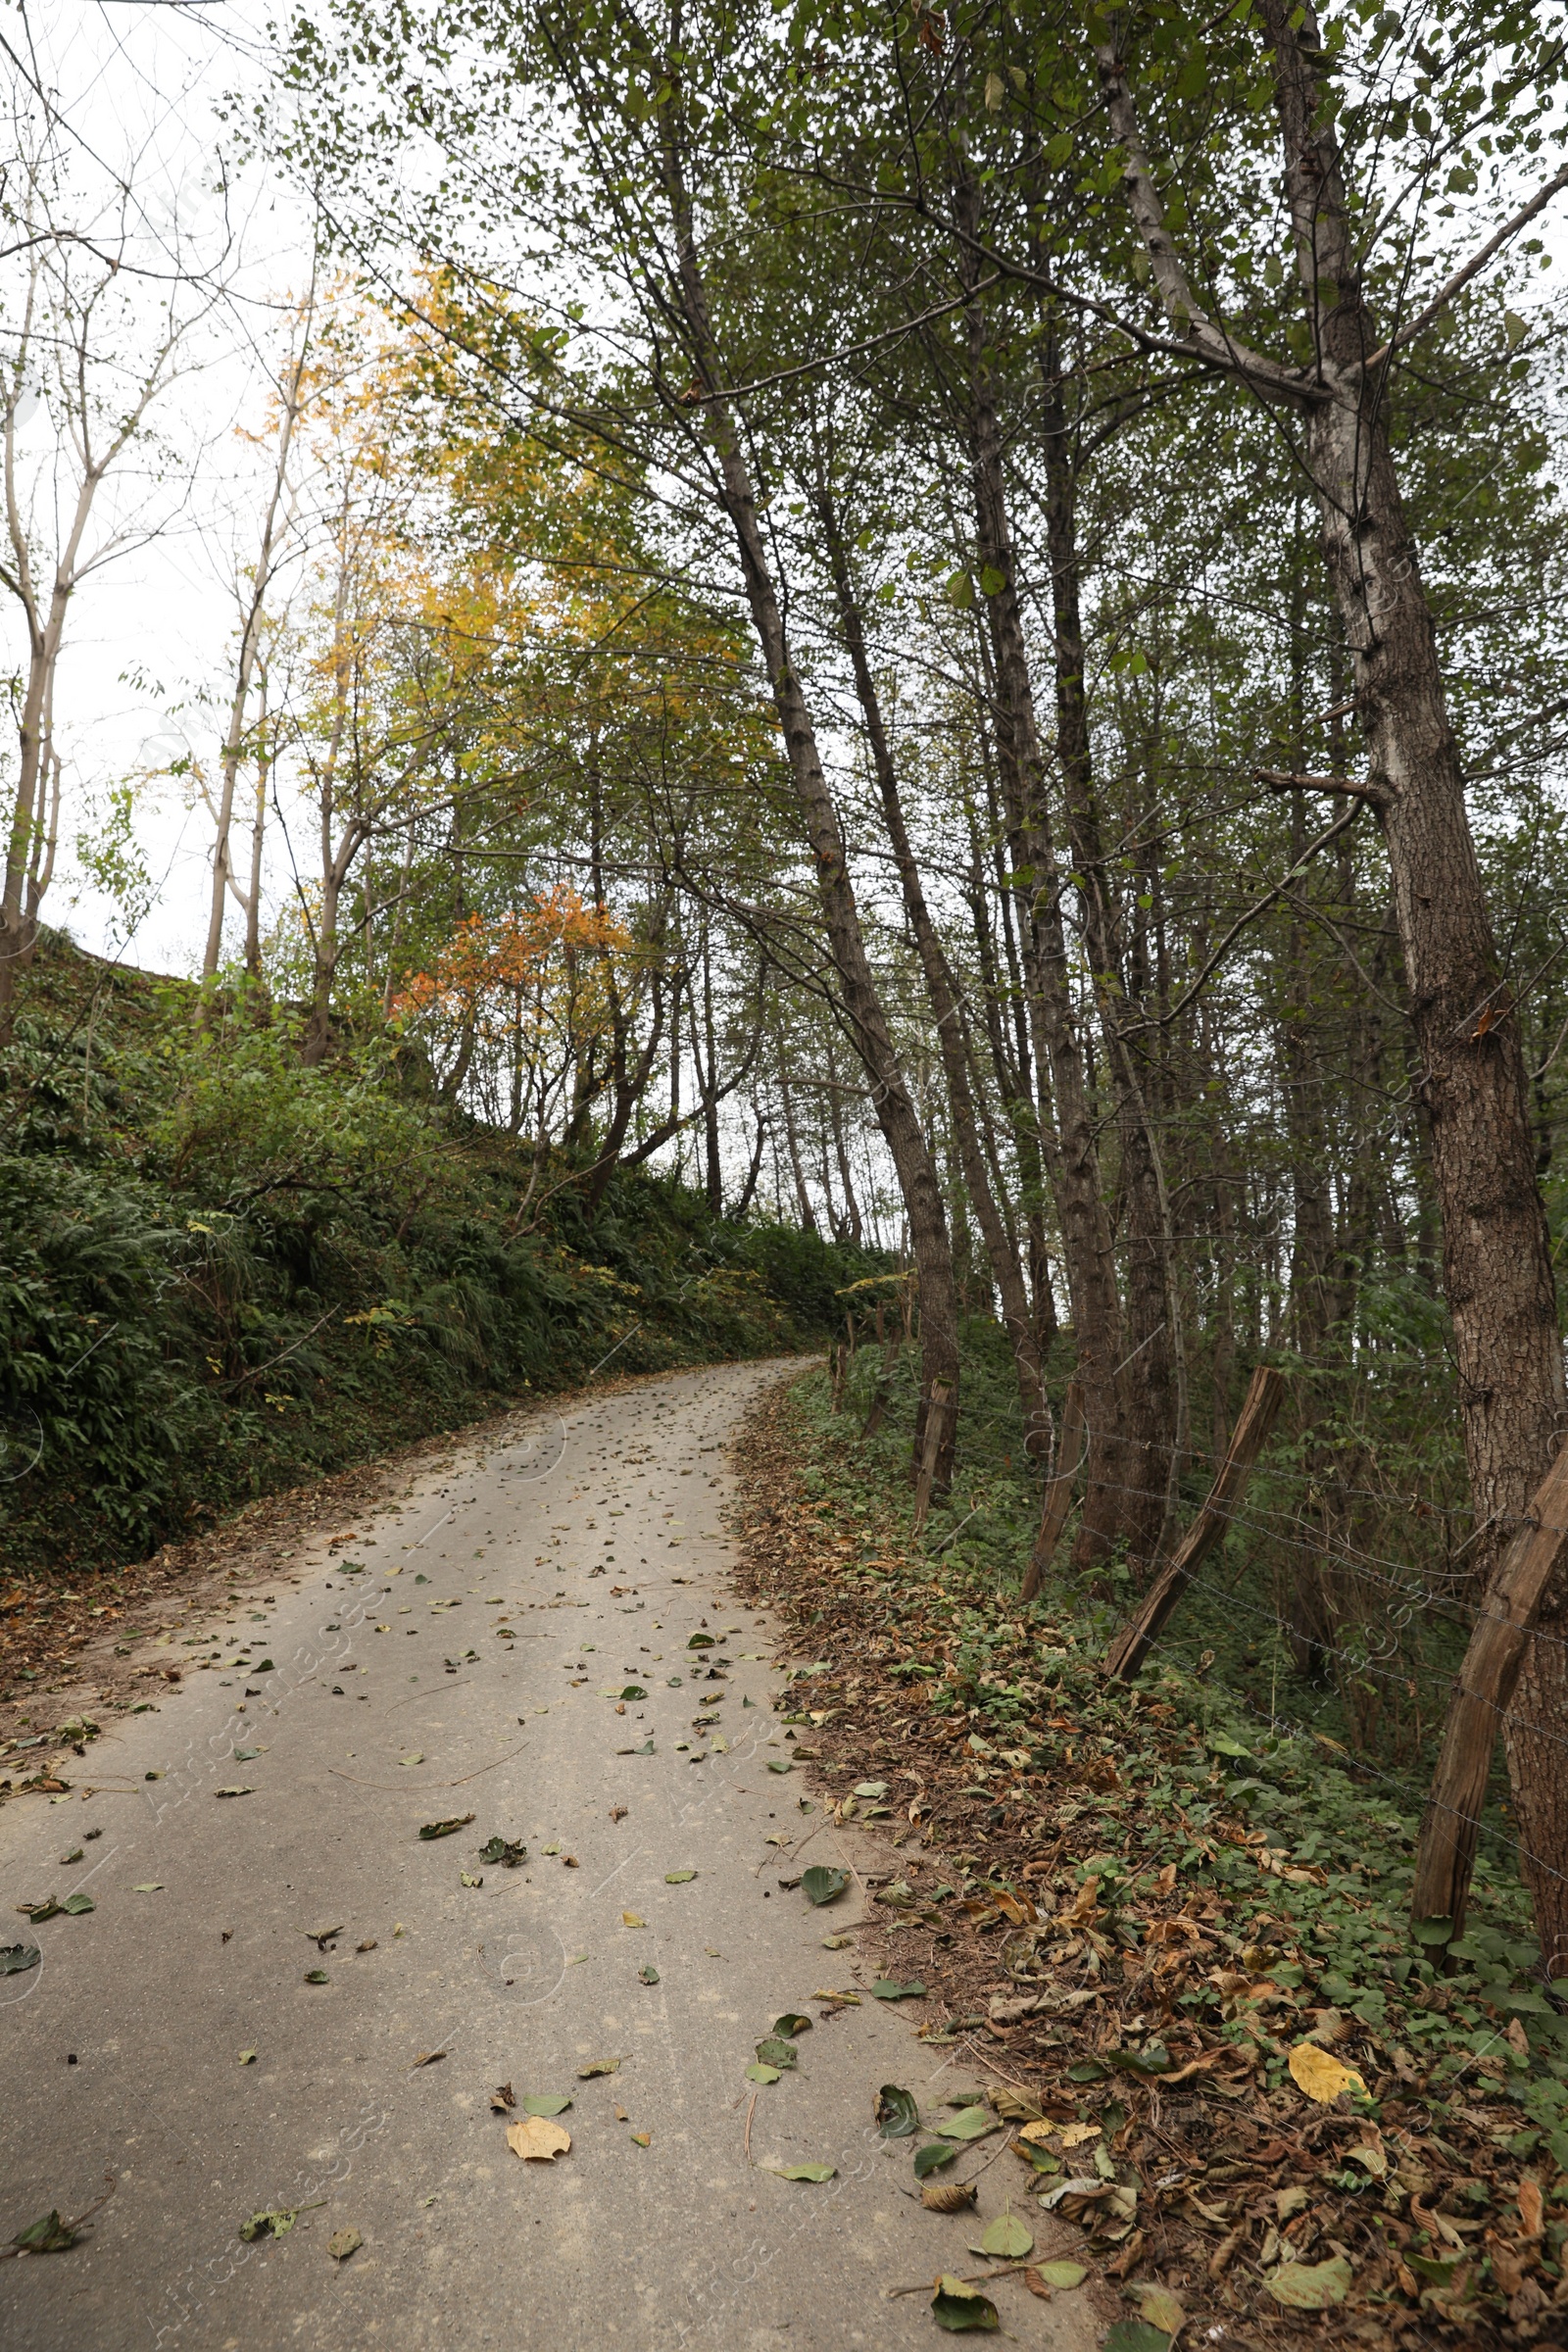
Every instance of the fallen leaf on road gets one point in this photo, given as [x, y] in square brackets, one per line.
[678, 1877]
[896, 2114]
[957, 2306]
[1061, 2275]
[470, 1878]
[932, 2158]
[508, 1851]
[597, 2066]
[316, 1976]
[149, 1887]
[369, 1945]
[15, 1957]
[775, 2051]
[800, 2172]
[247, 2057]
[617, 1812]
[1008, 2238]
[344, 2242]
[789, 2024]
[887, 1989]
[444, 1829]
[970, 2122]
[1072, 2135]
[500, 2098]
[428, 2058]
[538, 2138]
[631, 1919]
[633, 1690]
[51, 2235]
[321, 1936]
[949, 2196]
[236, 1791]
[1161, 2309]
[838, 1944]
[648, 1974]
[545, 2102]
[1310, 2285]
[1136, 2335]
[275, 2223]
[785, 1766]
[757, 2072]
[822, 1884]
[1321, 2077]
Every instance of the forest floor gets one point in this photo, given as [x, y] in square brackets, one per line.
[530, 1947]
[1178, 1940]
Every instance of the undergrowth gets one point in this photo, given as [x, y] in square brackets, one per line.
[1229, 1884]
[221, 1272]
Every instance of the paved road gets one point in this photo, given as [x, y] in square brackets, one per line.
[597, 1541]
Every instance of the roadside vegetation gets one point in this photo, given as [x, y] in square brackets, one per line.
[224, 1271]
[1143, 1902]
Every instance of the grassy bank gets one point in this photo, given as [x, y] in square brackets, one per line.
[221, 1273]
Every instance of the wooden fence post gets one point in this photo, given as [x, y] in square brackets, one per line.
[1057, 1499]
[1451, 1824]
[1143, 1629]
[936, 1416]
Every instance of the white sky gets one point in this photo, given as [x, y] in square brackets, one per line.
[138, 80]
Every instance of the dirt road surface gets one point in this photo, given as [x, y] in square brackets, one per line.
[284, 1998]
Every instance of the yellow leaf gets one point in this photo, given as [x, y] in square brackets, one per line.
[629, 1919]
[1074, 2134]
[1321, 2077]
[1161, 2309]
[537, 2136]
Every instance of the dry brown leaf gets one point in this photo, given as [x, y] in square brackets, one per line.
[538, 2136]
[1530, 2206]
[948, 2197]
[1084, 1906]
[1321, 2077]
[1037, 2285]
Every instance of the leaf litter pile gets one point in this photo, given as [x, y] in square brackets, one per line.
[1178, 1945]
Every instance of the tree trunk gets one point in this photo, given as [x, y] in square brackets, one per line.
[1149, 1383]
[943, 996]
[890, 1096]
[1497, 1264]
[1075, 1164]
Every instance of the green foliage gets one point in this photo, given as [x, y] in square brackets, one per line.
[1274, 1818]
[221, 1271]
